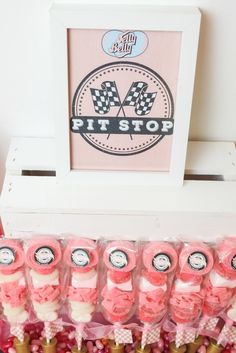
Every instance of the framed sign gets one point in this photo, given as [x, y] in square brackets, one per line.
[123, 85]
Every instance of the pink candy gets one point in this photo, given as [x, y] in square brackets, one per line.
[99, 344]
[118, 295]
[11, 350]
[34, 348]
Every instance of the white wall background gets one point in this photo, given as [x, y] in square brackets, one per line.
[25, 71]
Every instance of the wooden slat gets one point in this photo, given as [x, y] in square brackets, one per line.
[200, 210]
[203, 158]
[43, 194]
[211, 158]
[30, 153]
[161, 226]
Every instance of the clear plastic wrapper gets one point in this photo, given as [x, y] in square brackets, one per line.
[43, 255]
[13, 292]
[159, 260]
[221, 282]
[186, 300]
[220, 288]
[118, 294]
[81, 258]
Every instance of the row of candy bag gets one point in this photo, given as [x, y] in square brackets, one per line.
[183, 287]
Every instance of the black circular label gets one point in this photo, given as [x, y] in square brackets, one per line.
[80, 257]
[122, 99]
[44, 255]
[7, 255]
[197, 261]
[233, 262]
[161, 262]
[118, 258]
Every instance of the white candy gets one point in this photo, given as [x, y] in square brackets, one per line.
[20, 318]
[232, 314]
[83, 307]
[84, 280]
[14, 310]
[11, 278]
[220, 281]
[40, 280]
[182, 286]
[84, 275]
[50, 306]
[146, 286]
[81, 311]
[77, 316]
[46, 311]
[47, 315]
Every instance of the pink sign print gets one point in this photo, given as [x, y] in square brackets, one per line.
[122, 107]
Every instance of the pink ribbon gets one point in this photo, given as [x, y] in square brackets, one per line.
[95, 330]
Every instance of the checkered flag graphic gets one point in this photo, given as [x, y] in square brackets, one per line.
[134, 93]
[105, 98]
[145, 103]
[138, 98]
[100, 101]
[112, 93]
[123, 336]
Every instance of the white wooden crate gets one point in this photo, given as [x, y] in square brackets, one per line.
[34, 201]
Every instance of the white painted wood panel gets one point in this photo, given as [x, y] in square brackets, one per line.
[201, 210]
[214, 158]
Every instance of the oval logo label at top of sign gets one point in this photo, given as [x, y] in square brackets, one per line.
[126, 44]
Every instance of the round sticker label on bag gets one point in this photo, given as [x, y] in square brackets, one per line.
[197, 261]
[161, 262]
[233, 262]
[44, 255]
[118, 258]
[80, 257]
[7, 256]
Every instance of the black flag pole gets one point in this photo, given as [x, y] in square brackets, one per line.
[121, 106]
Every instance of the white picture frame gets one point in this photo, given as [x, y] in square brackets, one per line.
[66, 16]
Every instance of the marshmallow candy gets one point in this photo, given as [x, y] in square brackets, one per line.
[43, 256]
[12, 281]
[81, 257]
